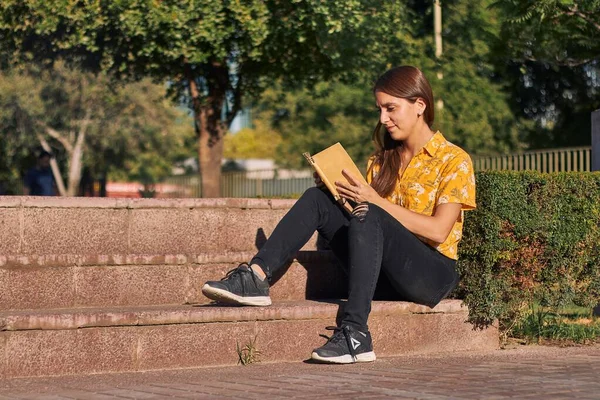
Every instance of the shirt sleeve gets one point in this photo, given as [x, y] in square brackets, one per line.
[370, 171]
[458, 183]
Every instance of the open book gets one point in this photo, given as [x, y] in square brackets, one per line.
[329, 164]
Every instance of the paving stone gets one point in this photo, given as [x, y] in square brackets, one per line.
[498, 375]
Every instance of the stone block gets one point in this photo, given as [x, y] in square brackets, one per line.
[198, 231]
[102, 350]
[10, 201]
[186, 346]
[10, 231]
[295, 342]
[74, 231]
[36, 287]
[42, 353]
[428, 333]
[70, 352]
[72, 202]
[3, 373]
[100, 340]
[282, 204]
[131, 285]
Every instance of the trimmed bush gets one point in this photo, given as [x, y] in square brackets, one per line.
[534, 238]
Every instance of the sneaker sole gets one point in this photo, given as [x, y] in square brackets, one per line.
[346, 358]
[223, 296]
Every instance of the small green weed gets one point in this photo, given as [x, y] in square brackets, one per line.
[248, 354]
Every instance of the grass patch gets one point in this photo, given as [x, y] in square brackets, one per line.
[248, 354]
[569, 324]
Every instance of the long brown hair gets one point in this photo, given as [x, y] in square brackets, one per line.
[408, 83]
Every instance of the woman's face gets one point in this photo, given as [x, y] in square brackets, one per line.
[398, 115]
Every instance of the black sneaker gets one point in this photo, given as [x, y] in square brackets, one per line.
[240, 286]
[346, 346]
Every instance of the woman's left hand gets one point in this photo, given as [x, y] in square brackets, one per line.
[355, 190]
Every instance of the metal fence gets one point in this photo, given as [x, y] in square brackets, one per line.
[267, 183]
[284, 183]
[551, 160]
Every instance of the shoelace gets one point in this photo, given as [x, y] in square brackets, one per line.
[236, 271]
[336, 337]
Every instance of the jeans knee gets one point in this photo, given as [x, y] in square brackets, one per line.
[314, 195]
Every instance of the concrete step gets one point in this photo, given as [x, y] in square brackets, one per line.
[46, 282]
[87, 341]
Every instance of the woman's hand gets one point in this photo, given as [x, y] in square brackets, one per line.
[355, 190]
[318, 182]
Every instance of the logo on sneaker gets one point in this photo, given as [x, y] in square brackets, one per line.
[355, 343]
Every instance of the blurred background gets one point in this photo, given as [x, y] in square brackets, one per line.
[219, 98]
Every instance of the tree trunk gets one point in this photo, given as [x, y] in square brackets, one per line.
[210, 152]
[75, 167]
[211, 128]
[210, 156]
[76, 155]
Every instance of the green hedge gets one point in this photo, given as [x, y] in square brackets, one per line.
[534, 238]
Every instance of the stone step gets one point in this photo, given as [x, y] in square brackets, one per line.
[87, 341]
[46, 282]
[92, 252]
[83, 226]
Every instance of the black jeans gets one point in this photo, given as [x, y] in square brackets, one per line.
[366, 246]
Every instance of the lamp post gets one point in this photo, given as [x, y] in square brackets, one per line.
[437, 29]
[596, 159]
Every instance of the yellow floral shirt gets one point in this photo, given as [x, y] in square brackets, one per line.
[439, 173]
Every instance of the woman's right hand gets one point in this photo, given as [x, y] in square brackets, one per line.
[318, 182]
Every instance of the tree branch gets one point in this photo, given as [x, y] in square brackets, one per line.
[56, 135]
[563, 63]
[575, 11]
[87, 119]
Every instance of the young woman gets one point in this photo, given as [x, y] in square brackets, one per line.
[404, 229]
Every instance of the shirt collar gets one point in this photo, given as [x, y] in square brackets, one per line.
[436, 141]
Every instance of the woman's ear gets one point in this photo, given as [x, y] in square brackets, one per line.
[421, 106]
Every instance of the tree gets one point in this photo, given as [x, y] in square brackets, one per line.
[310, 120]
[559, 32]
[82, 117]
[477, 111]
[217, 51]
[259, 141]
[549, 57]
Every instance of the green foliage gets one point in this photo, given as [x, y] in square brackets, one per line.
[313, 120]
[563, 32]
[248, 354]
[218, 51]
[548, 57]
[257, 142]
[133, 132]
[476, 114]
[299, 41]
[533, 238]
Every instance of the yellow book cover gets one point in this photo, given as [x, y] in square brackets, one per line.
[329, 164]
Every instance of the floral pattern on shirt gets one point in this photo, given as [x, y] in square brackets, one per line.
[439, 173]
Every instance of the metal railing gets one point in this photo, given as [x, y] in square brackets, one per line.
[285, 183]
[550, 160]
[264, 183]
